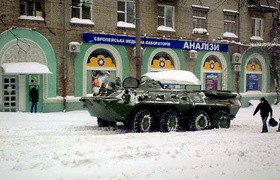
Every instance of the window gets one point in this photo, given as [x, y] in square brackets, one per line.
[199, 19]
[31, 7]
[257, 27]
[81, 9]
[230, 23]
[212, 72]
[101, 68]
[166, 16]
[254, 75]
[126, 11]
[162, 61]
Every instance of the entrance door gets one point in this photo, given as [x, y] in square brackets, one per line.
[9, 94]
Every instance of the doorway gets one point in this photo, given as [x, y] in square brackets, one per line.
[10, 94]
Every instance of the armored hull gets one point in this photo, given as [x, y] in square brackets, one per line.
[155, 103]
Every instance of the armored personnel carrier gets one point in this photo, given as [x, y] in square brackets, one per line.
[164, 101]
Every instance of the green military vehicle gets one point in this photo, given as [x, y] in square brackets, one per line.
[164, 101]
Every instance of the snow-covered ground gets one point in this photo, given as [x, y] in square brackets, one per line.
[70, 146]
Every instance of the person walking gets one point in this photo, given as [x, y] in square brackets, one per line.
[34, 96]
[264, 108]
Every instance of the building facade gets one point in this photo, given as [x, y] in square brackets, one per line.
[69, 48]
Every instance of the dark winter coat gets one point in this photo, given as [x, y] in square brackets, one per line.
[264, 108]
[34, 96]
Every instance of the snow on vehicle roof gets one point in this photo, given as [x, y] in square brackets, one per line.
[173, 77]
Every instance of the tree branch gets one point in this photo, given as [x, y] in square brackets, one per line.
[45, 22]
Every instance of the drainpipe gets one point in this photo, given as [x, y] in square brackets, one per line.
[64, 58]
[138, 40]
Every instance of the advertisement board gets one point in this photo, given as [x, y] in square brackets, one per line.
[211, 81]
[154, 42]
[252, 82]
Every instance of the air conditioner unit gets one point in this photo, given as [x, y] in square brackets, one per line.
[193, 54]
[236, 58]
[237, 67]
[74, 47]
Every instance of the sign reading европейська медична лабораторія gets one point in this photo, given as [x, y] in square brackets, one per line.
[153, 42]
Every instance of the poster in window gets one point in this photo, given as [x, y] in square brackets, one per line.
[211, 81]
[99, 79]
[252, 82]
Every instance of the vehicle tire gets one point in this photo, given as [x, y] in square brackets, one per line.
[102, 123]
[221, 119]
[143, 121]
[199, 120]
[169, 121]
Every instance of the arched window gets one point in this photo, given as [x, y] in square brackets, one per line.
[253, 75]
[212, 73]
[101, 70]
[162, 61]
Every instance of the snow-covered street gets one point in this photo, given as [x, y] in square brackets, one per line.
[66, 146]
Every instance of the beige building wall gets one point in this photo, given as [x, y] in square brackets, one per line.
[104, 16]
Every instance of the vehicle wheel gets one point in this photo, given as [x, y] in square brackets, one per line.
[102, 123]
[221, 119]
[169, 121]
[199, 120]
[143, 120]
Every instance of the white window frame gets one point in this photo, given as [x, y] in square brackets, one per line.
[80, 8]
[230, 24]
[264, 78]
[200, 19]
[255, 28]
[126, 12]
[165, 16]
[114, 53]
[224, 71]
[260, 80]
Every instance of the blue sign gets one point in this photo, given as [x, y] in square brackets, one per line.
[153, 42]
[211, 81]
[252, 82]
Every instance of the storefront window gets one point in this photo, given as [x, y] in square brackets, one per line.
[101, 71]
[212, 72]
[98, 78]
[253, 76]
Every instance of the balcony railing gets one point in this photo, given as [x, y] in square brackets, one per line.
[167, 1]
[264, 6]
